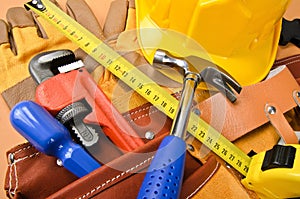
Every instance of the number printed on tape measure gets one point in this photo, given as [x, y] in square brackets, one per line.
[142, 84]
[220, 145]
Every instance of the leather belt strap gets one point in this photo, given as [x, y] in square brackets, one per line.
[247, 113]
[280, 123]
[292, 63]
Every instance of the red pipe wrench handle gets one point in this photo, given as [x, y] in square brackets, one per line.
[104, 113]
[113, 124]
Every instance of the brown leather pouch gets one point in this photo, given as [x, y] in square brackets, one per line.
[123, 177]
[32, 174]
[35, 175]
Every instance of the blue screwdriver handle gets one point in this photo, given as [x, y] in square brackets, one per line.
[165, 173]
[49, 136]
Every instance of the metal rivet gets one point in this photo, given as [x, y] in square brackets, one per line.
[59, 162]
[149, 135]
[271, 110]
[40, 6]
[190, 147]
[197, 111]
[11, 194]
[11, 158]
[34, 2]
[227, 165]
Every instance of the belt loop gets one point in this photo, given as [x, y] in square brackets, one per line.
[283, 128]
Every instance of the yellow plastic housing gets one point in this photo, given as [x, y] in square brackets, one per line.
[240, 36]
[276, 182]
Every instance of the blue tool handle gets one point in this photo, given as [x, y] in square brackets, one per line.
[165, 173]
[49, 136]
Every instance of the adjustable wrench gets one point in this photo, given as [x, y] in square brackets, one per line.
[69, 93]
[165, 173]
[50, 137]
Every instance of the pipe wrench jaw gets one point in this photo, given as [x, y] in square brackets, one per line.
[46, 65]
[72, 117]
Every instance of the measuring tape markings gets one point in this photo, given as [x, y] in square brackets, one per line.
[142, 84]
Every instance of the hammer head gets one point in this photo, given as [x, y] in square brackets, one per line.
[211, 75]
[221, 81]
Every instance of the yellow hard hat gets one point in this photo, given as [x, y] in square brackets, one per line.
[240, 36]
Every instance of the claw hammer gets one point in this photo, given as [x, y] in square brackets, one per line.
[165, 173]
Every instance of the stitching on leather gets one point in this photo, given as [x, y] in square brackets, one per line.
[16, 178]
[137, 111]
[26, 157]
[23, 149]
[13, 169]
[11, 193]
[115, 178]
[142, 116]
[14, 165]
[207, 179]
[284, 60]
[292, 62]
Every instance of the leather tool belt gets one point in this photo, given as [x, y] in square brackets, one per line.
[31, 174]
